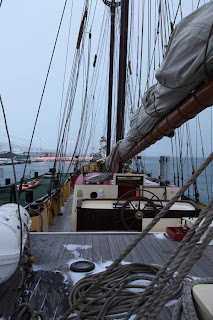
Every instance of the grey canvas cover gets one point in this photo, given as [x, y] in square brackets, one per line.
[187, 63]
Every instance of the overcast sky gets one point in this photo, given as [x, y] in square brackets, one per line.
[27, 34]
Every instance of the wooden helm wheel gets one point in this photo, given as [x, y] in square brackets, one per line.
[131, 212]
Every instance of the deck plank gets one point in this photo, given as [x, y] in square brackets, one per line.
[105, 248]
[55, 251]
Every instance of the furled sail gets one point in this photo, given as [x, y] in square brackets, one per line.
[187, 63]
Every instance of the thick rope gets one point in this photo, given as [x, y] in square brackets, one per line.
[167, 274]
[27, 307]
[175, 280]
[185, 308]
[139, 238]
[115, 294]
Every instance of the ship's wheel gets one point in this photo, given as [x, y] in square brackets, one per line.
[128, 215]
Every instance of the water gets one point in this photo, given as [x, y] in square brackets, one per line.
[150, 165]
[178, 174]
[40, 167]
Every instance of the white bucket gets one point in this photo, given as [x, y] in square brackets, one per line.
[10, 238]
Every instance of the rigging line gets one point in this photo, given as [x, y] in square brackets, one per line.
[86, 93]
[68, 103]
[149, 43]
[72, 94]
[178, 182]
[196, 141]
[129, 57]
[170, 18]
[93, 16]
[201, 139]
[65, 68]
[198, 4]
[85, 122]
[131, 30]
[190, 146]
[97, 114]
[95, 71]
[102, 47]
[1, 3]
[69, 92]
[73, 89]
[187, 149]
[79, 132]
[195, 190]
[167, 19]
[14, 173]
[211, 113]
[180, 153]
[48, 71]
[141, 56]
[71, 104]
[159, 25]
[137, 64]
[178, 8]
[173, 161]
[99, 53]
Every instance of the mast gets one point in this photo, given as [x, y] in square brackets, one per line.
[122, 69]
[112, 4]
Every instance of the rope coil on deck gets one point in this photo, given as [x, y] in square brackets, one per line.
[116, 293]
[27, 307]
[185, 308]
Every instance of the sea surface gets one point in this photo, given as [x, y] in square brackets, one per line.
[6, 172]
[178, 173]
[175, 171]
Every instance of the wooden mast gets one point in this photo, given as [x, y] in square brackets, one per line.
[112, 6]
[122, 69]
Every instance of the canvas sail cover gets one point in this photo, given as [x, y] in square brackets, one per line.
[187, 63]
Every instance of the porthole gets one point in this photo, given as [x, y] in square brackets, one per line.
[93, 195]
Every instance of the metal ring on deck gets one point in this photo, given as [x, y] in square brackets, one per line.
[82, 266]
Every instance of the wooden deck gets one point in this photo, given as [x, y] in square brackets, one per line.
[54, 252]
[62, 222]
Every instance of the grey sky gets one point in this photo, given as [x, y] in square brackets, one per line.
[27, 34]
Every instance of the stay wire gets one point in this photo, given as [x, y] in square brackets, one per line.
[70, 96]
[93, 84]
[44, 87]
[68, 105]
[71, 90]
[65, 67]
[91, 104]
[201, 140]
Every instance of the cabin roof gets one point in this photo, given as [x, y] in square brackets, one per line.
[82, 179]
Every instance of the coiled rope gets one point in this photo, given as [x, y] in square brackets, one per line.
[27, 307]
[175, 281]
[116, 292]
[185, 308]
